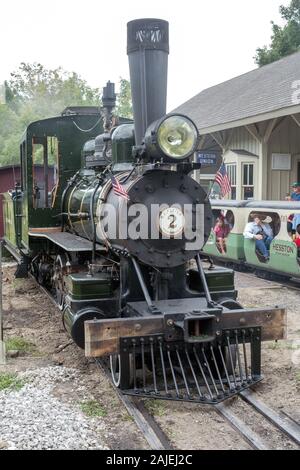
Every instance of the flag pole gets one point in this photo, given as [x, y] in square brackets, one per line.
[2, 344]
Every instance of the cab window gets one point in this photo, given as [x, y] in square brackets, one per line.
[44, 171]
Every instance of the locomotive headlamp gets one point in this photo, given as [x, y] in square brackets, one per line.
[174, 136]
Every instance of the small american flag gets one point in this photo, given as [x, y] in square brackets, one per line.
[118, 188]
[223, 181]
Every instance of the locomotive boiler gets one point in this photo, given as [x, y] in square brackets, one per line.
[117, 241]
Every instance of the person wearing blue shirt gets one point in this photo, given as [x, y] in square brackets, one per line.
[296, 222]
[295, 196]
[262, 233]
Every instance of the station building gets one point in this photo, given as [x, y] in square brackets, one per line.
[253, 123]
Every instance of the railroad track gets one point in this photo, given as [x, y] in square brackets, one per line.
[158, 440]
[280, 423]
[153, 434]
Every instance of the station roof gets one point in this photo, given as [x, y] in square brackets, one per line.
[264, 93]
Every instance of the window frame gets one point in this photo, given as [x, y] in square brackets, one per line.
[248, 184]
[46, 143]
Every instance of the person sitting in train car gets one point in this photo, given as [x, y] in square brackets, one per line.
[229, 220]
[290, 225]
[261, 232]
[295, 223]
[297, 239]
[295, 196]
[221, 230]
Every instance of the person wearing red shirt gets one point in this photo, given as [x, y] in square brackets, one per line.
[221, 232]
[297, 239]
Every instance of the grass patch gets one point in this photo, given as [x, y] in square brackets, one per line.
[19, 344]
[11, 382]
[284, 345]
[128, 418]
[155, 407]
[273, 346]
[93, 409]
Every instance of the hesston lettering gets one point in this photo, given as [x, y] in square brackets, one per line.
[283, 249]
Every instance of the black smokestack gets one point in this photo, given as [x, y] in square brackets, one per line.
[148, 49]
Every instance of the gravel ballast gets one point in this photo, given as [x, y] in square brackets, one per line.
[33, 418]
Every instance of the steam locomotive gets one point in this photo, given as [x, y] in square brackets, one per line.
[117, 240]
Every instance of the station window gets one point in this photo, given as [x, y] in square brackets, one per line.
[44, 171]
[231, 171]
[248, 180]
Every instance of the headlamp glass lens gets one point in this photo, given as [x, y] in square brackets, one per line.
[177, 136]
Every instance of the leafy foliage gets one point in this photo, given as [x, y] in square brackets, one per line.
[32, 93]
[35, 92]
[124, 101]
[286, 39]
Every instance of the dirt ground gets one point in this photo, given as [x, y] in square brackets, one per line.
[29, 314]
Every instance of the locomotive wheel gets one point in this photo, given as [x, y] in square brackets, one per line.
[116, 371]
[60, 266]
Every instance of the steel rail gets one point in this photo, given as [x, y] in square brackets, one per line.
[153, 434]
[243, 429]
[286, 425]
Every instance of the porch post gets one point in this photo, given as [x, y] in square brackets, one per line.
[262, 171]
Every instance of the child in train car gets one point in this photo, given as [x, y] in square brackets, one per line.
[221, 231]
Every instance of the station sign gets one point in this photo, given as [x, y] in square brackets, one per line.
[207, 158]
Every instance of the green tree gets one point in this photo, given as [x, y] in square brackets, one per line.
[285, 39]
[124, 100]
[32, 93]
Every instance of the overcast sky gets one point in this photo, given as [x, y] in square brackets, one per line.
[210, 40]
